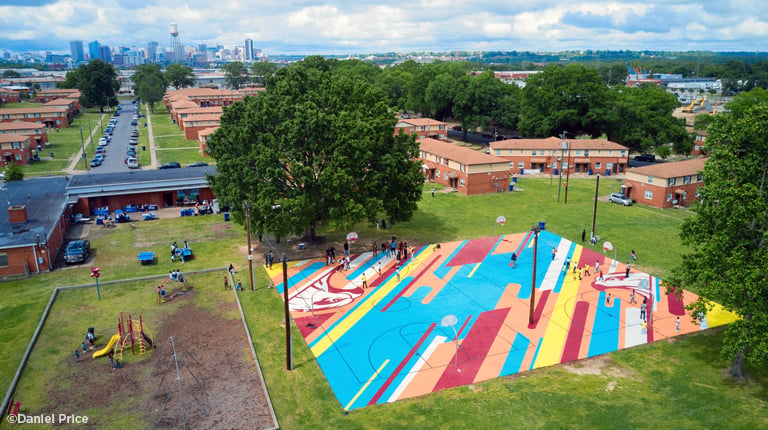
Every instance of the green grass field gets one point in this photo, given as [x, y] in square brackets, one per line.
[170, 144]
[680, 383]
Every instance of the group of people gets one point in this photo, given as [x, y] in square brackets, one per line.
[175, 275]
[88, 343]
[178, 253]
[238, 285]
[393, 249]
[269, 258]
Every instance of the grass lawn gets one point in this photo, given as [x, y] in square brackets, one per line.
[175, 142]
[162, 124]
[145, 159]
[183, 156]
[677, 383]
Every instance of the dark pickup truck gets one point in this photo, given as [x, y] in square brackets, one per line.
[77, 251]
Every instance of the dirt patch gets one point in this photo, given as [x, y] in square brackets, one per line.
[601, 365]
[212, 351]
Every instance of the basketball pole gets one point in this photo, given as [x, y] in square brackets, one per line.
[288, 358]
[535, 230]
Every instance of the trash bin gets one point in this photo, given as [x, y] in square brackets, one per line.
[556, 172]
[51, 154]
[511, 187]
[590, 172]
[608, 172]
[226, 216]
[514, 179]
[541, 225]
[143, 148]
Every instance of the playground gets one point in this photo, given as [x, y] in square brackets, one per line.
[142, 392]
[459, 313]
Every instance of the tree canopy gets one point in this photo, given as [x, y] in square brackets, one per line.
[97, 82]
[728, 234]
[316, 147]
[236, 75]
[14, 172]
[149, 83]
[179, 75]
[261, 70]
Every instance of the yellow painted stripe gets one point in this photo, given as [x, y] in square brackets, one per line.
[719, 316]
[359, 312]
[375, 374]
[551, 350]
[473, 270]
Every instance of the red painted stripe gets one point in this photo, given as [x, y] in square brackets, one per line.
[475, 346]
[402, 365]
[539, 308]
[575, 332]
[473, 251]
[462, 328]
[405, 288]
[676, 306]
[521, 246]
[316, 320]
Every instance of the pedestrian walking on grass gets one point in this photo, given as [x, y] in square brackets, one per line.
[433, 192]
[226, 283]
[634, 256]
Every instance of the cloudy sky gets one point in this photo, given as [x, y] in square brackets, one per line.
[354, 26]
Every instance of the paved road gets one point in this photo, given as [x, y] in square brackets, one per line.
[471, 137]
[114, 161]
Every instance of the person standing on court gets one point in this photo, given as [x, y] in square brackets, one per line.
[365, 282]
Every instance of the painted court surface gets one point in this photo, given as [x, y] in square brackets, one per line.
[395, 340]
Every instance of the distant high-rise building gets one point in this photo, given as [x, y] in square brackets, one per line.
[176, 47]
[248, 49]
[93, 50]
[76, 46]
[152, 52]
[202, 54]
[105, 54]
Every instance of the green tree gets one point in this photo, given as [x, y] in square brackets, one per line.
[71, 80]
[641, 119]
[394, 83]
[314, 148]
[14, 172]
[482, 102]
[11, 74]
[236, 75]
[728, 234]
[570, 98]
[262, 70]
[744, 101]
[440, 96]
[97, 82]
[149, 83]
[179, 75]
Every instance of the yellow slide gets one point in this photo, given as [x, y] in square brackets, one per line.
[109, 346]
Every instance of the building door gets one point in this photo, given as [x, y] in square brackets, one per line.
[168, 199]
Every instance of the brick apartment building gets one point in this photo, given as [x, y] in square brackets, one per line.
[196, 123]
[50, 117]
[15, 148]
[37, 134]
[665, 185]
[585, 156]
[468, 171]
[202, 138]
[423, 128]
[45, 96]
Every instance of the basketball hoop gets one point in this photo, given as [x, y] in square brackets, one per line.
[352, 236]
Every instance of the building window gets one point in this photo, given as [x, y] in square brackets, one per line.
[650, 179]
[445, 161]
[598, 152]
[463, 167]
[609, 166]
[533, 152]
[498, 152]
[442, 137]
[18, 157]
[520, 164]
[521, 152]
[461, 183]
[437, 173]
[648, 195]
[421, 128]
[16, 145]
[598, 165]
[3, 259]
[437, 159]
[511, 152]
[422, 136]
[698, 193]
[669, 197]
[699, 178]
[442, 126]
[685, 195]
[578, 152]
[623, 152]
[671, 182]
[445, 176]
[687, 180]
[586, 152]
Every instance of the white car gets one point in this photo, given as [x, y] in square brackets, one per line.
[133, 163]
[620, 199]
[103, 141]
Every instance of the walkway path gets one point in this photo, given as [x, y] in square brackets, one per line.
[151, 137]
[78, 156]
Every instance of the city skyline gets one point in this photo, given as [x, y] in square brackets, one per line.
[340, 27]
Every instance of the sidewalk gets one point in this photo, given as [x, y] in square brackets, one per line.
[72, 168]
[151, 137]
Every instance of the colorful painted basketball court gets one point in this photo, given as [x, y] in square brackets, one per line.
[459, 313]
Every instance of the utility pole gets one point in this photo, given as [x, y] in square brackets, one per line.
[535, 230]
[82, 142]
[247, 207]
[567, 174]
[288, 358]
[594, 211]
[560, 165]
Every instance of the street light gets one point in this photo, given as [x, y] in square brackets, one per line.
[535, 229]
[562, 157]
[247, 207]
[82, 142]
[567, 174]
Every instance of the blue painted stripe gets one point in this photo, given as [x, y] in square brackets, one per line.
[536, 354]
[301, 275]
[516, 355]
[605, 329]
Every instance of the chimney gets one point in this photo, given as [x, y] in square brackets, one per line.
[17, 214]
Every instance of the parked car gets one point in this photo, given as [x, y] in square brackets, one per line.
[77, 251]
[97, 160]
[170, 165]
[134, 122]
[646, 157]
[135, 133]
[457, 128]
[620, 199]
[117, 113]
[488, 135]
[103, 141]
[405, 116]
[198, 164]
[133, 163]
[100, 150]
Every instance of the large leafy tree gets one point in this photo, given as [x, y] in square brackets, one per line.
[394, 82]
[236, 75]
[728, 235]
[314, 148]
[149, 83]
[744, 101]
[570, 98]
[179, 75]
[262, 70]
[97, 82]
[483, 102]
[641, 119]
